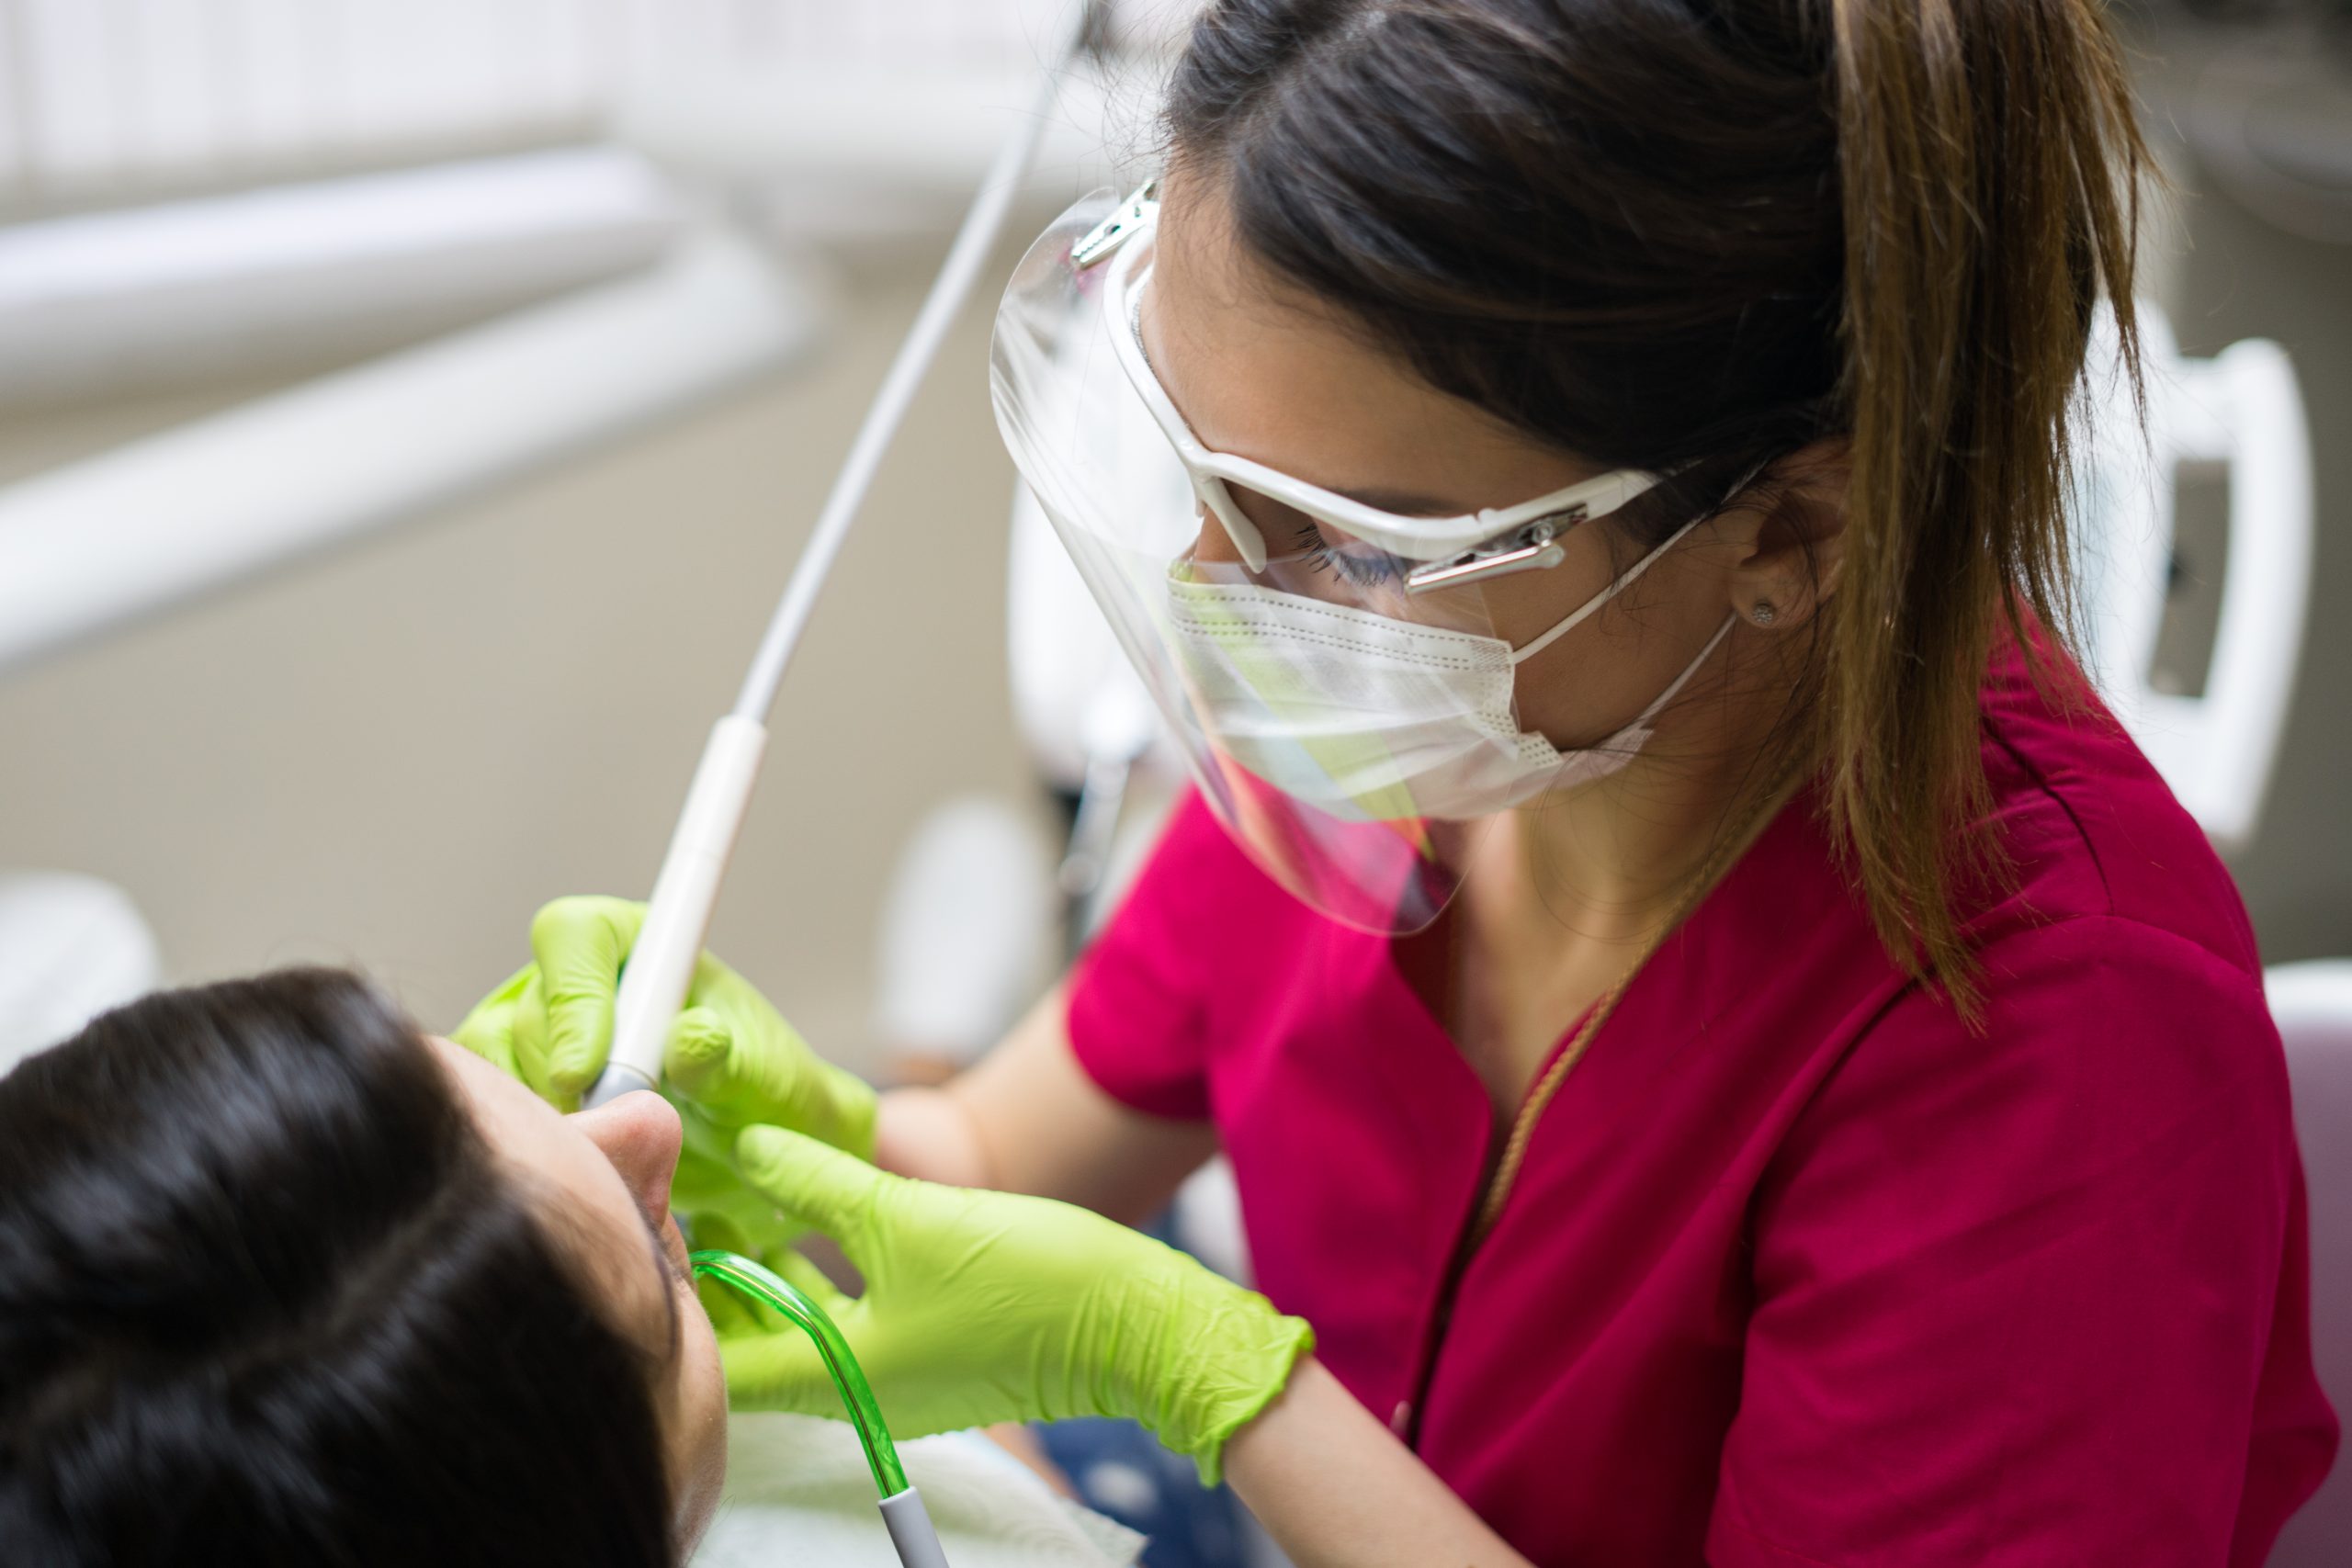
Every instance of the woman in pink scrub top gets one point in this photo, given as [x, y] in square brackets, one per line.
[1816, 1107]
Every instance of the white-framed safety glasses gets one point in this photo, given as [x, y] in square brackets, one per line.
[1450, 551]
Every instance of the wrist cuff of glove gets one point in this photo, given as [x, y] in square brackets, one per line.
[1247, 1361]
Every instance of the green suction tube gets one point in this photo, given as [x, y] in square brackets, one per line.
[770, 1288]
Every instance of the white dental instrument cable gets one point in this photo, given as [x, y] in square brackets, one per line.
[661, 967]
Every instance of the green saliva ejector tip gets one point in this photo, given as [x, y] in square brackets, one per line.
[770, 1288]
[903, 1514]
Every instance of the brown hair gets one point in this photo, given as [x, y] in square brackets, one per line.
[1693, 238]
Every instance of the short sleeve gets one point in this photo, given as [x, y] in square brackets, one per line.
[1139, 995]
[2033, 1295]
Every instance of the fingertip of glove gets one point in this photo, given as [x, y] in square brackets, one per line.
[587, 905]
[698, 1044]
[762, 1145]
[567, 1080]
[556, 913]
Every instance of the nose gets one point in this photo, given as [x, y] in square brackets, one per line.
[1256, 520]
[1215, 546]
[641, 1135]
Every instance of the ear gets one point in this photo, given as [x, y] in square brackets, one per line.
[1787, 533]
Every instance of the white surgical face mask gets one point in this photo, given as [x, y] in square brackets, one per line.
[1369, 717]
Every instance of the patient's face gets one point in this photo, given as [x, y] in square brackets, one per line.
[604, 1175]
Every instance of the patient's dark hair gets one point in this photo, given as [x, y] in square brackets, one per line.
[266, 1298]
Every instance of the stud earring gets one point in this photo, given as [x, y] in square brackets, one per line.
[1764, 614]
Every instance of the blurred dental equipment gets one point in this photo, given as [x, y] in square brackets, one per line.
[965, 937]
[97, 543]
[180, 292]
[71, 947]
[653, 987]
[2213, 731]
[500, 204]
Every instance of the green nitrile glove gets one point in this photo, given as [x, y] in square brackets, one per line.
[732, 1057]
[987, 1306]
[731, 1061]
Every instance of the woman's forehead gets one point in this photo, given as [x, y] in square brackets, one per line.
[1264, 371]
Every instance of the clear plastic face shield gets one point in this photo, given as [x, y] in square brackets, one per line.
[1331, 671]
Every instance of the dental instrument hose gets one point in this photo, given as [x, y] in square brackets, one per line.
[903, 1514]
[661, 967]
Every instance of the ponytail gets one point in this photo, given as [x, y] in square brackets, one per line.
[1980, 143]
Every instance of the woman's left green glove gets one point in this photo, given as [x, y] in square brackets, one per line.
[732, 1060]
[989, 1306]
[730, 1055]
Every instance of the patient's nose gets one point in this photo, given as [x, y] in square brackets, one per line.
[641, 1134]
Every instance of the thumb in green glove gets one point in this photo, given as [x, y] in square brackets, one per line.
[731, 1059]
[990, 1306]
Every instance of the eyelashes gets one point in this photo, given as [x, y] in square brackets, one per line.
[1360, 565]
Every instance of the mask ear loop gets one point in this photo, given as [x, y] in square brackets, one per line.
[1592, 605]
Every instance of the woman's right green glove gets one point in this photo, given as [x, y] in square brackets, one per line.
[982, 1307]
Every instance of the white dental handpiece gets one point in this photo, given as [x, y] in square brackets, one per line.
[660, 967]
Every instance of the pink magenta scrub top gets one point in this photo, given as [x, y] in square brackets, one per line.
[1797, 1271]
